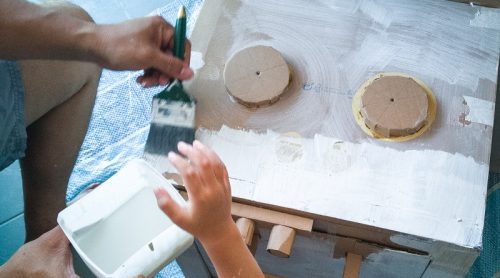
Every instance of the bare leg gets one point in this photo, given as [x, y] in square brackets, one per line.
[59, 97]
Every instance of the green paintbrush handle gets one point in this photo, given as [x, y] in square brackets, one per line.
[180, 34]
[174, 91]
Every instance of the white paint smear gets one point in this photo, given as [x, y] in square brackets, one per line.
[481, 111]
[486, 18]
[420, 192]
[196, 61]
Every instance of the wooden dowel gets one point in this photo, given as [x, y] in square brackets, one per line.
[352, 265]
[281, 241]
[246, 228]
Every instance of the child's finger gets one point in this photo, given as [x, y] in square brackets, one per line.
[171, 208]
[204, 164]
[216, 164]
[188, 151]
[225, 179]
[188, 173]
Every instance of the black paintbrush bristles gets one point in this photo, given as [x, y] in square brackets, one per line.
[164, 138]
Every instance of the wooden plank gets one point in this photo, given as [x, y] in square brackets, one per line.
[268, 216]
[272, 217]
[352, 265]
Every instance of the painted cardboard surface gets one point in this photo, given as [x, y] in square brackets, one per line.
[432, 187]
[425, 193]
[363, 38]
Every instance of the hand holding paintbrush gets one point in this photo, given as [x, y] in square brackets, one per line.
[173, 110]
[167, 43]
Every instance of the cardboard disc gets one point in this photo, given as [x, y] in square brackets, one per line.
[256, 76]
[394, 107]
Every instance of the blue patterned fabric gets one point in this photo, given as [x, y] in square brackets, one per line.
[12, 125]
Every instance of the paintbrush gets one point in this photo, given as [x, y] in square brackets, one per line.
[173, 110]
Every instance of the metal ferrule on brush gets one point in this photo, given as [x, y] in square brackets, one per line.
[173, 113]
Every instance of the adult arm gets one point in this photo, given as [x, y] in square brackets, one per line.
[31, 31]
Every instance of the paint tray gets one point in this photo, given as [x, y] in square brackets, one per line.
[118, 229]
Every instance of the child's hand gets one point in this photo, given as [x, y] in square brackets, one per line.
[208, 213]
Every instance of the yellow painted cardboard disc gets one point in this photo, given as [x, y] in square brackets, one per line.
[357, 104]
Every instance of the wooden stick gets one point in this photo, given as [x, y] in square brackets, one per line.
[281, 241]
[352, 265]
[246, 228]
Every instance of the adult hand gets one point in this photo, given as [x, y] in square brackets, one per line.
[47, 256]
[208, 212]
[143, 43]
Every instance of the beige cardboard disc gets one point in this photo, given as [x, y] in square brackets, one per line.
[394, 107]
[256, 76]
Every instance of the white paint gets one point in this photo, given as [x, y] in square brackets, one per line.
[196, 61]
[486, 18]
[104, 242]
[379, 13]
[113, 227]
[421, 187]
[418, 192]
[481, 111]
[395, 35]
[347, 42]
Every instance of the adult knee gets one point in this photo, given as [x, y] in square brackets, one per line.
[93, 74]
[67, 8]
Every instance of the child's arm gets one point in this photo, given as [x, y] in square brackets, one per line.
[208, 213]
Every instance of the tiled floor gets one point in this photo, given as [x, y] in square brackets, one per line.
[11, 211]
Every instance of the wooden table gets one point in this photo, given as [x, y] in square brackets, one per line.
[409, 209]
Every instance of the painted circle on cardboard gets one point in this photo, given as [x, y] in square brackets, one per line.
[418, 128]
